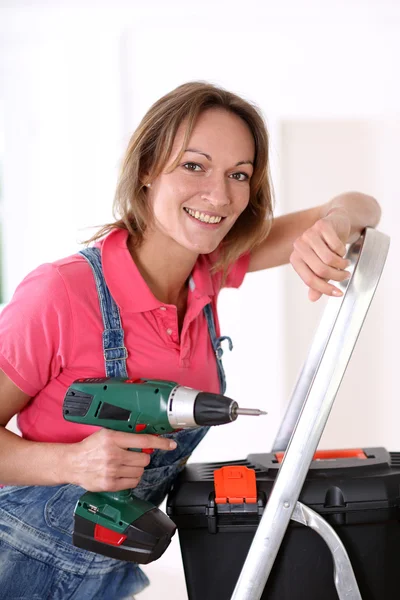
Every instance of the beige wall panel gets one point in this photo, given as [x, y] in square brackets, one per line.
[320, 159]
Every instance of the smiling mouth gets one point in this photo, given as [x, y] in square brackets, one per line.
[203, 217]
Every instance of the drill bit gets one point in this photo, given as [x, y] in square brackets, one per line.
[254, 412]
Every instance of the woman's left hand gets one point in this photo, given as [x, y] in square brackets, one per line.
[317, 255]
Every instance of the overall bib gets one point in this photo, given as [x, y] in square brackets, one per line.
[37, 558]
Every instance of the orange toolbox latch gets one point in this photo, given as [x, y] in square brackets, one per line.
[235, 485]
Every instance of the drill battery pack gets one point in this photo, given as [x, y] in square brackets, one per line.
[217, 508]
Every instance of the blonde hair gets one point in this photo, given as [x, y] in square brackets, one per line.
[149, 150]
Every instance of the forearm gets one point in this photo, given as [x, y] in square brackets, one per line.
[361, 209]
[32, 463]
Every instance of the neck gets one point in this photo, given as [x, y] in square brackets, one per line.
[165, 268]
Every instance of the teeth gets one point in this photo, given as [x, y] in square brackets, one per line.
[202, 216]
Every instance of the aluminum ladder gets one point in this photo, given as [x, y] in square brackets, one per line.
[305, 420]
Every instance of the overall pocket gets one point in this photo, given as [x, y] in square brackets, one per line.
[59, 509]
[29, 504]
[28, 524]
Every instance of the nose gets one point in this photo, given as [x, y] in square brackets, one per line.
[217, 193]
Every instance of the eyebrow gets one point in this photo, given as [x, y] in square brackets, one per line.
[241, 162]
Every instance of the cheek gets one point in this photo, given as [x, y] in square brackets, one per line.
[239, 192]
[174, 196]
[243, 201]
[181, 183]
[182, 192]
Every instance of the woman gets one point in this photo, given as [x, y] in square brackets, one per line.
[194, 203]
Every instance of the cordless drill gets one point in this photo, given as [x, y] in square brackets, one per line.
[118, 524]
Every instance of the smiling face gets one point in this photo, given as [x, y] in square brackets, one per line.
[197, 203]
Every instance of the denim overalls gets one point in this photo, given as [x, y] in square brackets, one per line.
[37, 558]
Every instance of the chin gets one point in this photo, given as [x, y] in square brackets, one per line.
[204, 249]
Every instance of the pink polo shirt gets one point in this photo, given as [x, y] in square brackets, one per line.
[51, 333]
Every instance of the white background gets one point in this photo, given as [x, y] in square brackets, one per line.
[76, 78]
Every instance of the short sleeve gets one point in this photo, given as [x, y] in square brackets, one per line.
[36, 330]
[237, 271]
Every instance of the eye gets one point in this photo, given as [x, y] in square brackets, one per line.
[190, 166]
[240, 176]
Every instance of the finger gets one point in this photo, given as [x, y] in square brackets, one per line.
[323, 251]
[311, 279]
[318, 266]
[134, 459]
[145, 440]
[331, 237]
[313, 295]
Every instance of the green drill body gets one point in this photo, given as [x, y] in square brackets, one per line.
[131, 405]
[134, 406]
[117, 524]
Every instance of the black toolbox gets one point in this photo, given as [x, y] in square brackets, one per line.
[358, 495]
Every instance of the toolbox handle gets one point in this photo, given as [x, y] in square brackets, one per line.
[331, 454]
[311, 404]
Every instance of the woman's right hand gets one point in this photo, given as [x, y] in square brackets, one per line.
[102, 462]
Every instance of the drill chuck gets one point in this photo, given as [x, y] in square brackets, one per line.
[214, 409]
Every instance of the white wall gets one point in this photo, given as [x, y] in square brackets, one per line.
[76, 79]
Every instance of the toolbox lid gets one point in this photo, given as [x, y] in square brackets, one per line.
[344, 490]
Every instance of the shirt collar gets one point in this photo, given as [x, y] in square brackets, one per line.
[202, 278]
[126, 284]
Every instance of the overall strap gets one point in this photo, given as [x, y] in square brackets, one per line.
[216, 344]
[114, 351]
[215, 341]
